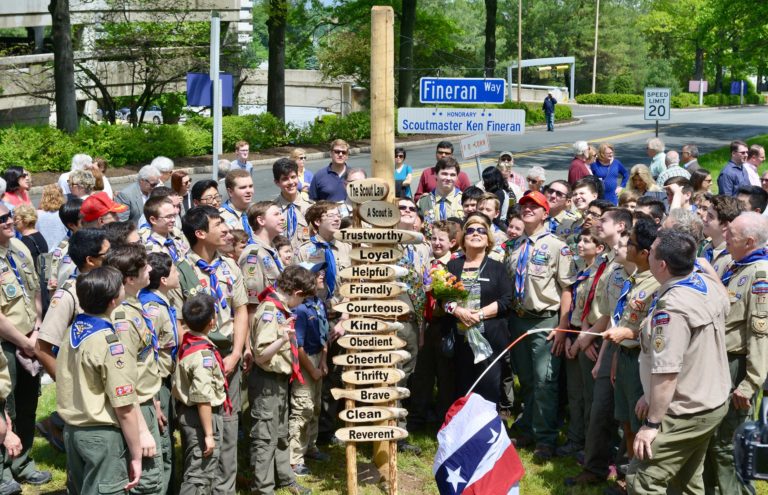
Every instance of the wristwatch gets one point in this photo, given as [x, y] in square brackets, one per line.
[651, 424]
[482, 315]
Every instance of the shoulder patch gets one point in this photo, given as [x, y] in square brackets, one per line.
[119, 315]
[207, 362]
[116, 349]
[267, 316]
[760, 286]
[111, 338]
[565, 251]
[660, 318]
[124, 390]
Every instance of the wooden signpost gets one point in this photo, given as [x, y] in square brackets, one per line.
[372, 413]
[389, 376]
[371, 433]
[379, 236]
[373, 272]
[363, 289]
[378, 254]
[370, 325]
[380, 213]
[371, 342]
[371, 395]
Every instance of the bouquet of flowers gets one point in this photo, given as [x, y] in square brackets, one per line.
[444, 285]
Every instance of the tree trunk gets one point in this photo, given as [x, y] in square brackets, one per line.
[698, 67]
[63, 67]
[405, 76]
[278, 12]
[490, 37]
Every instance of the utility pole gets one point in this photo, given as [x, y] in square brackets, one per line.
[519, 47]
[594, 60]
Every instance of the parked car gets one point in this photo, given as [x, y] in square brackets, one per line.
[153, 114]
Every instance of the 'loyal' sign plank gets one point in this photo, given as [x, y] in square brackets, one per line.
[376, 254]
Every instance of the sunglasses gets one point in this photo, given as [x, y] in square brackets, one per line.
[6, 217]
[559, 194]
[302, 158]
[399, 155]
[408, 208]
[476, 230]
[340, 152]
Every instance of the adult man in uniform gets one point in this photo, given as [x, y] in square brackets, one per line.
[222, 278]
[543, 270]
[682, 347]
[558, 194]
[746, 338]
[292, 204]
[259, 261]
[233, 212]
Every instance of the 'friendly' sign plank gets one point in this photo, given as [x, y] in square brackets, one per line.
[371, 290]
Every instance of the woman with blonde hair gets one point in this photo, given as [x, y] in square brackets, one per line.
[641, 182]
[25, 219]
[299, 156]
[99, 170]
[608, 169]
[48, 221]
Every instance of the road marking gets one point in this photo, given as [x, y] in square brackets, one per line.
[594, 115]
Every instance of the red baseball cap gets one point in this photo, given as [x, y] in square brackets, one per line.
[535, 197]
[97, 205]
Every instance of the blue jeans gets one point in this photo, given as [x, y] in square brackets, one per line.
[550, 121]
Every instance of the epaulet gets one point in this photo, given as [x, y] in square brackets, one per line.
[111, 338]
[207, 353]
[119, 315]
[67, 284]
[760, 274]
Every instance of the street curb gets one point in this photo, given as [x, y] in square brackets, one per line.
[267, 162]
[640, 108]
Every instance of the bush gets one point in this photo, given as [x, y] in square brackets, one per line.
[684, 100]
[36, 148]
[610, 99]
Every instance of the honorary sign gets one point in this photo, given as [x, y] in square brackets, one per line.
[369, 325]
[373, 359]
[373, 272]
[376, 254]
[371, 433]
[372, 395]
[390, 376]
[371, 342]
[364, 190]
[373, 308]
[361, 289]
[380, 213]
[372, 413]
[379, 236]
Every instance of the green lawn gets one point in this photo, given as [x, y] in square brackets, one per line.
[715, 160]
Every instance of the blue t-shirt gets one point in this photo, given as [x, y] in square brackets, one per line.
[610, 177]
[311, 325]
[404, 172]
[306, 180]
[328, 185]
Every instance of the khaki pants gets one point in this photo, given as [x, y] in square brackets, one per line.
[151, 481]
[97, 460]
[305, 411]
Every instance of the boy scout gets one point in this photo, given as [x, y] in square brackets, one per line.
[542, 267]
[746, 328]
[682, 347]
[19, 321]
[221, 278]
[584, 193]
[70, 216]
[201, 390]
[239, 186]
[292, 204]
[720, 213]
[558, 194]
[445, 201]
[136, 333]
[259, 261]
[155, 299]
[276, 356]
[96, 395]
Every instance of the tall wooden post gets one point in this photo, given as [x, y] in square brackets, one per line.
[383, 161]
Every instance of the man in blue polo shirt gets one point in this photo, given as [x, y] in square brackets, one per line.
[328, 183]
[734, 175]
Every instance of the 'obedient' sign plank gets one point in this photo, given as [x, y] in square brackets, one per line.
[371, 342]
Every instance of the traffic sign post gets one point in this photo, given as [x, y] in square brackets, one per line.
[657, 105]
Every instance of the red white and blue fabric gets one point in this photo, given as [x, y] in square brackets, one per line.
[475, 455]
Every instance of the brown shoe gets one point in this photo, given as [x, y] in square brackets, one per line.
[585, 478]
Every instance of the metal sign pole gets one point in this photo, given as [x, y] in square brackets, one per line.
[216, 97]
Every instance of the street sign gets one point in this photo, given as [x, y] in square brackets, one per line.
[390, 376]
[371, 342]
[695, 85]
[372, 413]
[380, 213]
[370, 325]
[371, 433]
[376, 254]
[373, 308]
[657, 103]
[364, 190]
[373, 359]
[378, 289]
[371, 395]
[462, 90]
[373, 272]
[379, 236]
[412, 120]
[476, 145]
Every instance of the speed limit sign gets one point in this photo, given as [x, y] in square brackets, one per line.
[657, 103]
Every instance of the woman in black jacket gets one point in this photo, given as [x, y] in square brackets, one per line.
[483, 312]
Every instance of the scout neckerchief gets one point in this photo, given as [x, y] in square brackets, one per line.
[85, 326]
[330, 261]
[190, 344]
[168, 243]
[622, 302]
[580, 277]
[270, 295]
[15, 269]
[146, 296]
[291, 220]
[439, 205]
[317, 305]
[153, 343]
[754, 257]
[521, 270]
[591, 294]
[694, 281]
[211, 271]
[243, 219]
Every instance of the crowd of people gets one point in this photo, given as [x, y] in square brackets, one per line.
[637, 298]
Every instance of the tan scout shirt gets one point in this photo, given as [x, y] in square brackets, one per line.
[564, 223]
[5, 377]
[233, 220]
[258, 262]
[301, 205]
[550, 270]
[94, 379]
[313, 254]
[429, 204]
[198, 379]
[686, 335]
[267, 326]
[232, 286]
[133, 332]
[608, 289]
[61, 313]
[639, 298]
[746, 327]
[62, 265]
[161, 321]
[17, 301]
[582, 292]
[721, 258]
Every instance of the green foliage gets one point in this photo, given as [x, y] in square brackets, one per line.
[622, 83]
[261, 131]
[172, 105]
[610, 99]
[660, 75]
[684, 100]
[35, 148]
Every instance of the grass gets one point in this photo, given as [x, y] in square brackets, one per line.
[329, 478]
[714, 160]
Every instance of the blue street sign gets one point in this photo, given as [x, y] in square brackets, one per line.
[462, 90]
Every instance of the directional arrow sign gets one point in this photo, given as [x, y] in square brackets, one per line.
[379, 236]
[376, 376]
[380, 213]
[373, 272]
[372, 413]
[376, 254]
[371, 342]
[371, 433]
[369, 325]
[364, 190]
[373, 359]
[379, 289]
[372, 395]
[373, 308]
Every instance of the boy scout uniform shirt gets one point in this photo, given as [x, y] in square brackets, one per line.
[61, 313]
[132, 330]
[721, 258]
[550, 270]
[314, 254]
[233, 220]
[17, 300]
[582, 292]
[265, 329]
[302, 227]
[154, 243]
[639, 300]
[232, 287]
[198, 379]
[94, 379]
[258, 263]
[161, 321]
[62, 265]
[608, 288]
[685, 334]
[563, 223]
[429, 204]
[746, 325]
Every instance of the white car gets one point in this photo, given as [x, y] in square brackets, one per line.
[153, 114]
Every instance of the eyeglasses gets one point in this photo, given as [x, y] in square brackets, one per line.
[168, 217]
[408, 208]
[302, 158]
[557, 193]
[6, 217]
[761, 180]
[745, 152]
[340, 152]
[152, 184]
[331, 216]
[476, 230]
[24, 175]
[211, 198]
[186, 182]
[593, 214]
[505, 160]
[399, 155]
[534, 181]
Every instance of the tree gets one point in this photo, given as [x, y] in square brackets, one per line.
[490, 37]
[405, 72]
[278, 13]
[63, 67]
